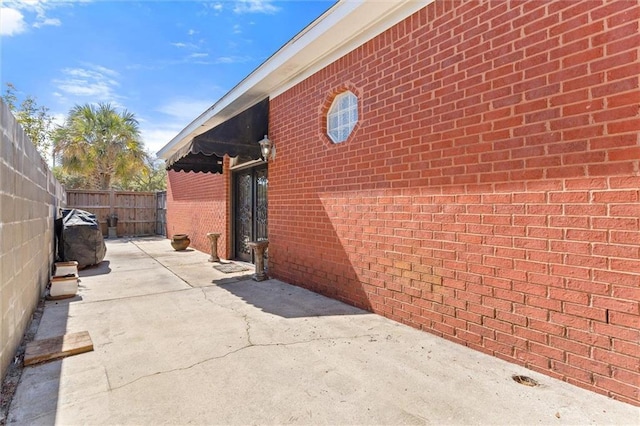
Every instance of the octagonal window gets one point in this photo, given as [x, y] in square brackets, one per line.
[342, 116]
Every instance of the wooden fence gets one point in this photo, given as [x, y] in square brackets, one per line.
[136, 211]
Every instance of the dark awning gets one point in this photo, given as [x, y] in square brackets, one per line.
[238, 136]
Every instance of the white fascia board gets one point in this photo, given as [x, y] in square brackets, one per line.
[323, 51]
[344, 27]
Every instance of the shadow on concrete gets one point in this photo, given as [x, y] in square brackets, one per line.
[47, 375]
[287, 301]
[101, 268]
[231, 280]
[55, 300]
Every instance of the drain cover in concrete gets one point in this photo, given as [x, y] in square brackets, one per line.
[229, 268]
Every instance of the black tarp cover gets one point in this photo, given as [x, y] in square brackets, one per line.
[80, 238]
[238, 136]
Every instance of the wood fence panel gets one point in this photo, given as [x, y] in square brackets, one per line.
[96, 202]
[146, 214]
[139, 210]
[136, 211]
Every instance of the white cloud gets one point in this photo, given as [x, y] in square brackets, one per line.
[155, 137]
[232, 59]
[92, 81]
[59, 119]
[213, 8]
[105, 70]
[11, 22]
[54, 22]
[183, 110]
[27, 9]
[237, 29]
[196, 56]
[255, 6]
[176, 115]
[183, 45]
[78, 88]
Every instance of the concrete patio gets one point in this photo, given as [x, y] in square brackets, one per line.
[178, 342]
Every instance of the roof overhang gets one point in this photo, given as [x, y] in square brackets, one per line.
[345, 26]
[238, 136]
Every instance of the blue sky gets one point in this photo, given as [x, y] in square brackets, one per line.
[165, 61]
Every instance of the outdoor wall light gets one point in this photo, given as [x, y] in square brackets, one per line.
[267, 148]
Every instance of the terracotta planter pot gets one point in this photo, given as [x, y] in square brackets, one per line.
[180, 242]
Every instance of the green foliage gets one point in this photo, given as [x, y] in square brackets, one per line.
[101, 145]
[70, 181]
[151, 178]
[34, 119]
[98, 147]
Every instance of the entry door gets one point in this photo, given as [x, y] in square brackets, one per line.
[250, 188]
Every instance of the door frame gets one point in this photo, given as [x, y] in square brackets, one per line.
[235, 172]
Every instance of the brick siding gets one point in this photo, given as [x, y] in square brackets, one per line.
[198, 203]
[490, 191]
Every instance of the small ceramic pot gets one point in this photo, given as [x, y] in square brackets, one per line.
[180, 242]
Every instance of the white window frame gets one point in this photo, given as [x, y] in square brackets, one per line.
[342, 116]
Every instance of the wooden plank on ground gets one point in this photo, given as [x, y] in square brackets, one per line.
[57, 347]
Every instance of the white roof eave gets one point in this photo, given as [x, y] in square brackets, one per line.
[344, 27]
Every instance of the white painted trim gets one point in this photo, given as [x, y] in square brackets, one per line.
[344, 27]
[404, 10]
[246, 165]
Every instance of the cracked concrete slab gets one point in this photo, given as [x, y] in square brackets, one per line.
[178, 342]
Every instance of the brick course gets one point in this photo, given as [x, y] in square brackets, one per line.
[198, 203]
[490, 191]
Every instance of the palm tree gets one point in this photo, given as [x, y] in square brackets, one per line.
[100, 143]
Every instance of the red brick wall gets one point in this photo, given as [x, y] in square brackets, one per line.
[490, 192]
[197, 203]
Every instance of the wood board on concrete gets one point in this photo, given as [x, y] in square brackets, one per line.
[57, 347]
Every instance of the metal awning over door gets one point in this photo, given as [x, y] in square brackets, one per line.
[238, 136]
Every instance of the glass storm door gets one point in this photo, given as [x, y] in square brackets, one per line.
[250, 219]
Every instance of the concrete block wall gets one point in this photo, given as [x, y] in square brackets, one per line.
[489, 193]
[29, 201]
[198, 203]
